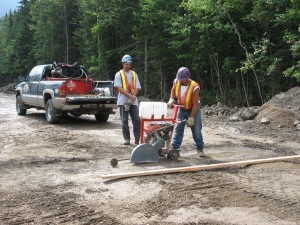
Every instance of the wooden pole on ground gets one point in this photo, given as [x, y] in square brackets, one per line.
[196, 168]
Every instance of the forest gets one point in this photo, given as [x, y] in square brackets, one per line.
[242, 52]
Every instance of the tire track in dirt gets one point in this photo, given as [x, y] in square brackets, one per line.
[45, 207]
[266, 183]
[218, 189]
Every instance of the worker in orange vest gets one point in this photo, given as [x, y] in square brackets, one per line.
[128, 85]
[186, 91]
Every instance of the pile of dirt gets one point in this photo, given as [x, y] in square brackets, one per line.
[278, 116]
[283, 110]
[289, 99]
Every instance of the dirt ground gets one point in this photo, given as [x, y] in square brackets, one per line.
[51, 174]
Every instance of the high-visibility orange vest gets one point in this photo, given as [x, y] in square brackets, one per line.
[186, 99]
[129, 88]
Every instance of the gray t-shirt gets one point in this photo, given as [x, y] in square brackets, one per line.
[122, 99]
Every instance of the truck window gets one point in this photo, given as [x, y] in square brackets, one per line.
[38, 73]
[47, 73]
[32, 74]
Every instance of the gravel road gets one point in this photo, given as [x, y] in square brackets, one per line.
[51, 174]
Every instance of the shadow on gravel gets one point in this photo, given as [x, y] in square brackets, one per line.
[76, 123]
[181, 162]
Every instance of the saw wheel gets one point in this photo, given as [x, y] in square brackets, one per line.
[173, 154]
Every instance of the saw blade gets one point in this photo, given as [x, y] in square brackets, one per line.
[144, 153]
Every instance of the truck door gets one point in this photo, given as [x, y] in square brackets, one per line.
[34, 78]
[46, 72]
[26, 88]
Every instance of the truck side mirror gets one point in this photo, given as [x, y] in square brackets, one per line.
[22, 78]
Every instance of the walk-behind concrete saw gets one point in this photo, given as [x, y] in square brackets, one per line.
[157, 144]
[156, 135]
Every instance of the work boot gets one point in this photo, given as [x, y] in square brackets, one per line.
[127, 142]
[200, 153]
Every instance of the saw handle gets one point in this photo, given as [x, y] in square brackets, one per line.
[114, 162]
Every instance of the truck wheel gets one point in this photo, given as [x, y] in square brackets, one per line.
[101, 118]
[51, 112]
[20, 106]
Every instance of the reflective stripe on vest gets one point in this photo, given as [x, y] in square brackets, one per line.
[129, 88]
[186, 99]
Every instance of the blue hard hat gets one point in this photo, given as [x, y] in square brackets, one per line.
[183, 73]
[126, 59]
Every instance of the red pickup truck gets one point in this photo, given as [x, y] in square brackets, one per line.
[63, 88]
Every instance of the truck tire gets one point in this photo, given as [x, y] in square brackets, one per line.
[20, 106]
[101, 118]
[51, 112]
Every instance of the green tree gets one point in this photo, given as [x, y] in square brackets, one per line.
[54, 23]
[107, 30]
[23, 38]
[153, 35]
[7, 48]
[292, 38]
[240, 51]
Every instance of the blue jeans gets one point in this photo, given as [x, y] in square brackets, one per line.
[134, 114]
[196, 129]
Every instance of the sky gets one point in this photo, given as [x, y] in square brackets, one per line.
[6, 5]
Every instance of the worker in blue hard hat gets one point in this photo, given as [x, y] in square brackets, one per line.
[126, 59]
[186, 91]
[128, 85]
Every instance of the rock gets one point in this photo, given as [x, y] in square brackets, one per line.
[219, 105]
[264, 120]
[296, 122]
[235, 118]
[10, 88]
[248, 114]
[298, 127]
[208, 112]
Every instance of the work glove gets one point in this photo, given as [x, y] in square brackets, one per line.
[171, 103]
[129, 102]
[190, 122]
[127, 107]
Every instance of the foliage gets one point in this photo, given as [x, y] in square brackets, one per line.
[240, 51]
